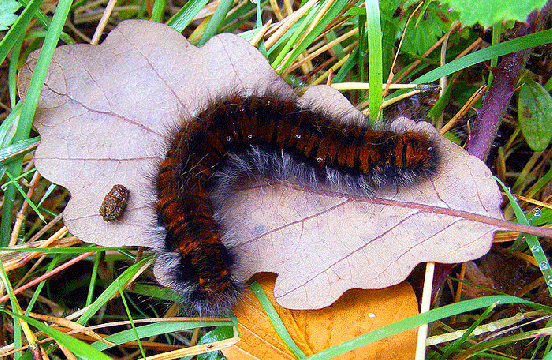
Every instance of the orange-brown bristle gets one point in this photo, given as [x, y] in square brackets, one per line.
[420, 153]
[269, 136]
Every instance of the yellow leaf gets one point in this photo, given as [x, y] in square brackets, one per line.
[355, 313]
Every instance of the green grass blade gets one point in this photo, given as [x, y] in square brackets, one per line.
[133, 327]
[47, 193]
[158, 10]
[12, 71]
[186, 14]
[315, 32]
[346, 68]
[46, 22]
[361, 51]
[456, 344]
[93, 278]
[158, 328]
[275, 319]
[216, 20]
[504, 340]
[517, 44]
[543, 181]
[417, 320]
[29, 107]
[18, 29]
[259, 19]
[77, 347]
[375, 70]
[9, 126]
[532, 241]
[305, 22]
[20, 146]
[238, 16]
[41, 285]
[112, 290]
[27, 199]
[17, 330]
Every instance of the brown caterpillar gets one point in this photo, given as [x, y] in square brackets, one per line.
[264, 135]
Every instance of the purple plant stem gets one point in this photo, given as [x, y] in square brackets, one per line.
[498, 97]
[495, 103]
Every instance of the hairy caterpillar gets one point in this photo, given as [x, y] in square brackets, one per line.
[268, 136]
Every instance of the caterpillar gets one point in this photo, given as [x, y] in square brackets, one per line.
[263, 135]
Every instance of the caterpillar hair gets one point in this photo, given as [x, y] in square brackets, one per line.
[263, 135]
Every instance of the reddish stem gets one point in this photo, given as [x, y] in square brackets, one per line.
[496, 101]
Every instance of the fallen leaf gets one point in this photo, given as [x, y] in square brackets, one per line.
[106, 112]
[357, 312]
[497, 272]
[345, 242]
[105, 116]
[535, 114]
[484, 284]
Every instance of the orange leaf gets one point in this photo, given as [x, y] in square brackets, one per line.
[355, 313]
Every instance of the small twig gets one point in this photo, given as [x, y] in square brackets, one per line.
[493, 327]
[396, 99]
[319, 51]
[14, 264]
[103, 22]
[316, 19]
[464, 110]
[46, 228]
[443, 81]
[417, 62]
[366, 86]
[391, 74]
[196, 350]
[22, 214]
[78, 32]
[458, 294]
[475, 44]
[47, 275]
[336, 66]
[538, 282]
[261, 33]
[290, 20]
[22, 151]
[276, 10]
[532, 201]
[424, 307]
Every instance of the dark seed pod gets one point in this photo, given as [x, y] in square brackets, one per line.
[114, 203]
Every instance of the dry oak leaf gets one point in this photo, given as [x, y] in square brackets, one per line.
[105, 116]
[342, 242]
[106, 113]
[357, 312]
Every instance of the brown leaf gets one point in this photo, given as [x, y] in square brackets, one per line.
[106, 113]
[497, 272]
[476, 276]
[346, 243]
[357, 312]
